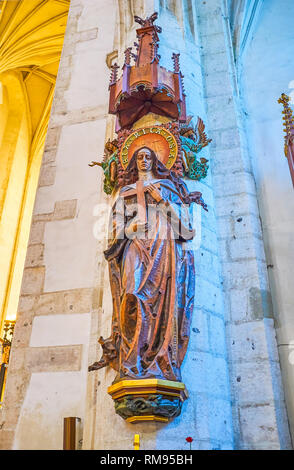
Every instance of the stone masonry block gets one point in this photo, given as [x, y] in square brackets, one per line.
[213, 43]
[63, 80]
[209, 240]
[249, 342]
[234, 183]
[202, 416]
[210, 374]
[22, 331]
[16, 361]
[52, 137]
[242, 274]
[237, 204]
[65, 62]
[219, 419]
[240, 306]
[26, 304]
[11, 417]
[205, 8]
[259, 427]
[199, 331]
[208, 296]
[218, 378]
[15, 387]
[217, 335]
[35, 255]
[246, 223]
[217, 84]
[225, 138]
[224, 250]
[228, 160]
[88, 35]
[37, 233]
[208, 219]
[54, 359]
[227, 446]
[49, 156]
[221, 112]
[214, 63]
[65, 209]
[68, 50]
[59, 106]
[47, 175]
[199, 366]
[33, 280]
[207, 265]
[6, 439]
[211, 23]
[238, 226]
[252, 383]
[247, 247]
[72, 301]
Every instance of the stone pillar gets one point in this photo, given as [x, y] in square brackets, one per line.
[48, 368]
[206, 415]
[260, 420]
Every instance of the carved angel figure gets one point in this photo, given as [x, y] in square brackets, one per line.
[193, 141]
[109, 166]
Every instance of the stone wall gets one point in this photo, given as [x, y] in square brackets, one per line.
[48, 367]
[265, 71]
[260, 420]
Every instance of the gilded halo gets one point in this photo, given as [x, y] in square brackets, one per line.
[157, 138]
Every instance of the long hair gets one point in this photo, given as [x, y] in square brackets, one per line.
[161, 172]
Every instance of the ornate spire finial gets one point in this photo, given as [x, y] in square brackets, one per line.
[176, 61]
[288, 117]
[182, 80]
[154, 49]
[148, 40]
[128, 55]
[148, 21]
[113, 75]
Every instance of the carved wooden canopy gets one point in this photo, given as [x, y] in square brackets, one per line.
[146, 87]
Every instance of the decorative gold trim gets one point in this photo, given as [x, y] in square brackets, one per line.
[145, 383]
[143, 387]
[135, 419]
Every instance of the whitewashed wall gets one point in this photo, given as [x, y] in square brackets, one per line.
[266, 71]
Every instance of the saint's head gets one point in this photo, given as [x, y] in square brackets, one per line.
[144, 160]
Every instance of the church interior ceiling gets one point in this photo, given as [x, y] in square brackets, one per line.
[31, 39]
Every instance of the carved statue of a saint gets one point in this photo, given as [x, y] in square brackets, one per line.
[151, 272]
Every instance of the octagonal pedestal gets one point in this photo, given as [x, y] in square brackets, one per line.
[148, 399]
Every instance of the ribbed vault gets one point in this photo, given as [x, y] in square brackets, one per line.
[31, 39]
